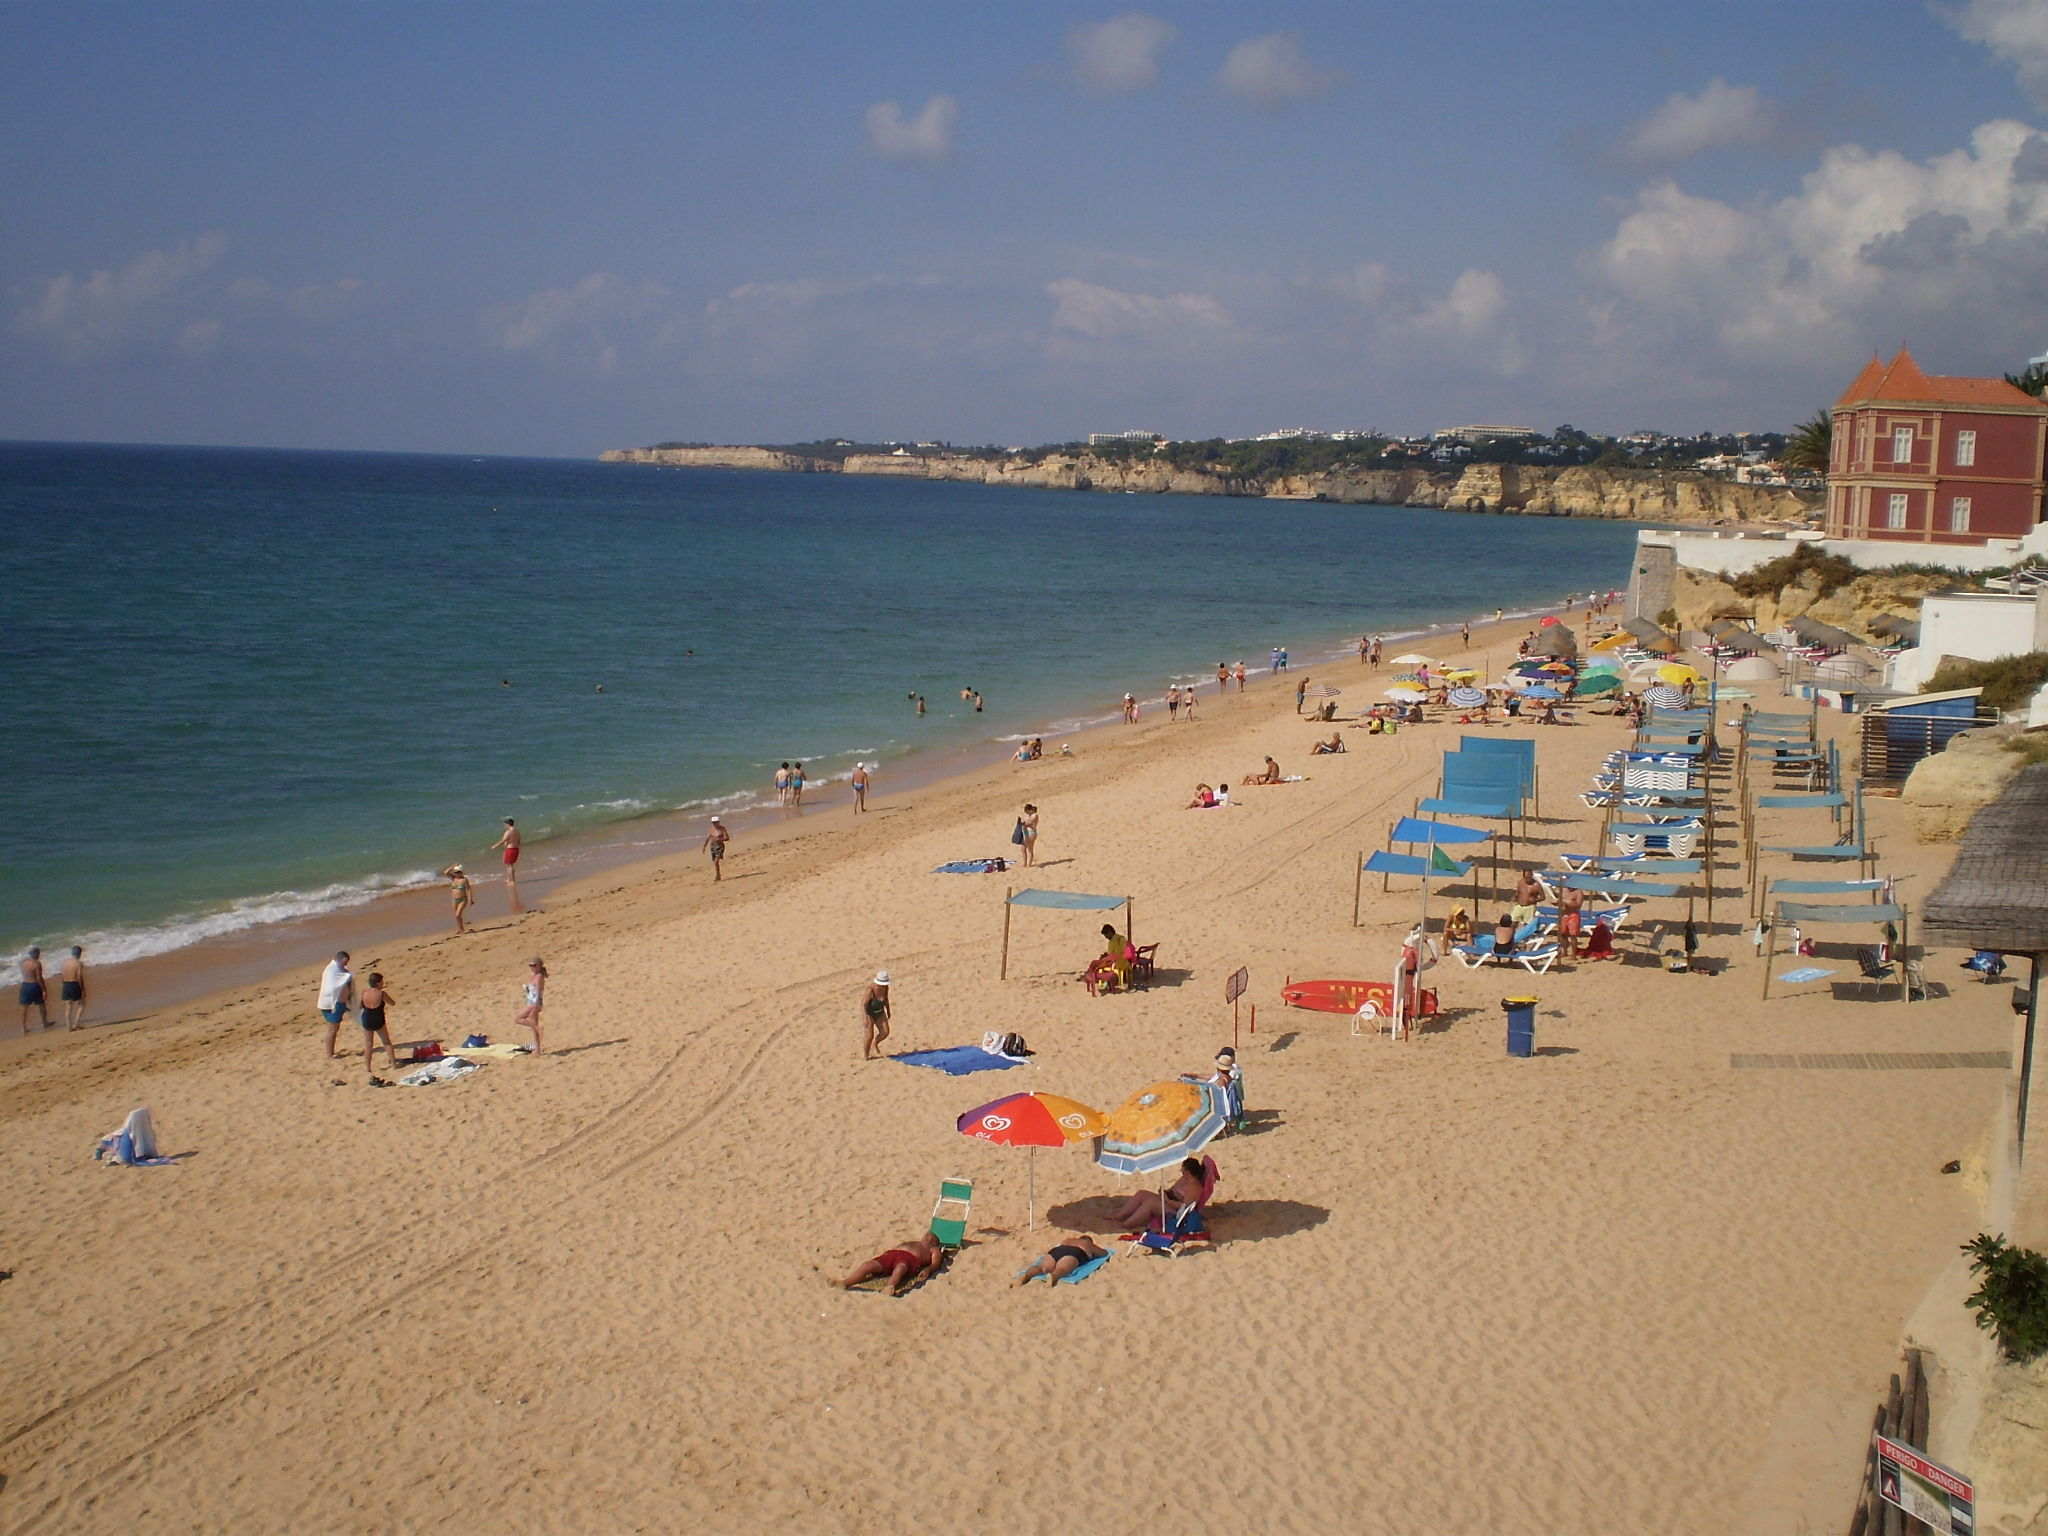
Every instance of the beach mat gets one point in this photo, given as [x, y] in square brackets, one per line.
[1080, 1272]
[486, 1052]
[443, 1071]
[958, 1060]
[973, 867]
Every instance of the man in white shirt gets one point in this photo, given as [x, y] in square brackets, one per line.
[337, 989]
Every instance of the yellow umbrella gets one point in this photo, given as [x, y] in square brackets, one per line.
[1677, 673]
[1461, 674]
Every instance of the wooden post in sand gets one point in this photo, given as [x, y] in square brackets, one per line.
[1004, 973]
[1357, 885]
[1770, 953]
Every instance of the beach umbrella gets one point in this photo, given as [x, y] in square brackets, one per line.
[1465, 698]
[1407, 695]
[1414, 659]
[1158, 1126]
[1557, 666]
[1664, 696]
[1541, 691]
[1460, 674]
[1322, 691]
[1677, 672]
[1033, 1120]
[1548, 620]
[1603, 682]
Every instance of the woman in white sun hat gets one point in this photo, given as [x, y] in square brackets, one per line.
[874, 1015]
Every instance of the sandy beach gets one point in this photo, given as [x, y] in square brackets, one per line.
[1625, 1285]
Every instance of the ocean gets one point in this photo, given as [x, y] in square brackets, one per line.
[252, 685]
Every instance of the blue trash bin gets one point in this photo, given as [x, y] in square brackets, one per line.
[1521, 1012]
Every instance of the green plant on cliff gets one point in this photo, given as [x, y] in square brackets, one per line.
[2032, 382]
[1811, 443]
[1805, 566]
[2011, 1299]
[2007, 682]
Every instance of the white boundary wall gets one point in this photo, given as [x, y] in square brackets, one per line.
[1725, 554]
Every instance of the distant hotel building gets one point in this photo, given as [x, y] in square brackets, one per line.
[1097, 439]
[1478, 434]
[1935, 460]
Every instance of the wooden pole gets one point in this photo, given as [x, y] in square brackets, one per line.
[1004, 973]
[1357, 885]
[1770, 954]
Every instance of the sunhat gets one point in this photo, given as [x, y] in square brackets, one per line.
[881, 978]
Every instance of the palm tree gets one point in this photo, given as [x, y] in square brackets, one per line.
[1810, 443]
[2032, 382]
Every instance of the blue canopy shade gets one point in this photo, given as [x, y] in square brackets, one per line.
[1602, 886]
[1442, 833]
[1468, 807]
[1803, 913]
[1823, 887]
[1801, 802]
[1067, 901]
[1380, 862]
[1819, 850]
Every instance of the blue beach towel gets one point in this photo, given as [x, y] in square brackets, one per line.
[1807, 973]
[957, 1060]
[973, 867]
[1080, 1272]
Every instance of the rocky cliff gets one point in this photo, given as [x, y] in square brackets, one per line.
[1701, 598]
[1654, 496]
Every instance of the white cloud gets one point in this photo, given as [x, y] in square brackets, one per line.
[583, 321]
[927, 136]
[2015, 30]
[84, 314]
[1272, 71]
[1719, 117]
[1091, 310]
[1873, 248]
[1121, 54]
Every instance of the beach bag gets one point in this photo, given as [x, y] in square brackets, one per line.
[476, 1042]
[1017, 832]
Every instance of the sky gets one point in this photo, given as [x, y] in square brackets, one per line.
[545, 228]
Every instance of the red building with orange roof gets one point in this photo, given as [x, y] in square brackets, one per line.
[1929, 459]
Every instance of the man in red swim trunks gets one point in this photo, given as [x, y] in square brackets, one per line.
[904, 1266]
[509, 841]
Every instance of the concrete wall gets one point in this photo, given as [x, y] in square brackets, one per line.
[1726, 554]
[1981, 626]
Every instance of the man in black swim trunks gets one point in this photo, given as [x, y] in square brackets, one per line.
[1062, 1259]
[35, 989]
[72, 980]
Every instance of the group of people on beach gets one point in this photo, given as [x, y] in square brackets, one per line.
[34, 989]
[338, 994]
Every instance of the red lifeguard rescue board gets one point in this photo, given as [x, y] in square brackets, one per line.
[1350, 996]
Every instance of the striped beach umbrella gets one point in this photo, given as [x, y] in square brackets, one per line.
[1465, 698]
[1664, 696]
[1158, 1126]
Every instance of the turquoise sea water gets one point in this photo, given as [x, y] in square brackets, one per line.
[249, 684]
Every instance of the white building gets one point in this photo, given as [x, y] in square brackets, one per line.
[1975, 626]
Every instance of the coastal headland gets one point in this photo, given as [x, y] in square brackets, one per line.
[1636, 1282]
[1641, 495]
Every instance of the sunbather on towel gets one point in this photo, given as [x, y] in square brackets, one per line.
[1271, 775]
[904, 1266]
[1062, 1259]
[1143, 1208]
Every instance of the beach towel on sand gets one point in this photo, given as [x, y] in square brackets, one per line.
[973, 867]
[1079, 1273]
[958, 1060]
[442, 1071]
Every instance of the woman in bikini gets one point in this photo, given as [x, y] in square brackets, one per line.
[535, 995]
[1028, 825]
[462, 891]
[1062, 1259]
[874, 1011]
[1143, 1208]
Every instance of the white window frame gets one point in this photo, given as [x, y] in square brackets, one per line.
[1902, 445]
[1895, 510]
[1959, 514]
[1966, 450]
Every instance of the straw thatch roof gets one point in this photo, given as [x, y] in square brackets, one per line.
[1813, 632]
[1650, 634]
[1996, 893]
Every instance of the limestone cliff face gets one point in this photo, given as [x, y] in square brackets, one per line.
[1701, 598]
[1636, 495]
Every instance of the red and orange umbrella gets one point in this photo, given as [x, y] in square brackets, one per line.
[1033, 1120]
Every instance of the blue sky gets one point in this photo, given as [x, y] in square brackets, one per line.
[552, 228]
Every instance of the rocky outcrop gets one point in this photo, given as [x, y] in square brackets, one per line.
[1701, 598]
[1947, 789]
[1635, 495]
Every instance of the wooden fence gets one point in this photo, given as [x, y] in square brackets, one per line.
[1903, 1417]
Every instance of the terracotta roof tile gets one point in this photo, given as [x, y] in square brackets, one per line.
[1902, 380]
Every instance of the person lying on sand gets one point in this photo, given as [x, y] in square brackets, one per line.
[1062, 1259]
[1143, 1208]
[904, 1266]
[1325, 748]
[1270, 776]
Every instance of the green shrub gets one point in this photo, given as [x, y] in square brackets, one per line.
[1806, 566]
[2032, 746]
[2011, 1299]
[2007, 683]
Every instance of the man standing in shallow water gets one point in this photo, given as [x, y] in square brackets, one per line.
[509, 841]
[72, 980]
[35, 989]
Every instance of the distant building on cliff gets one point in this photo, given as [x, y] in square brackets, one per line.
[1928, 459]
